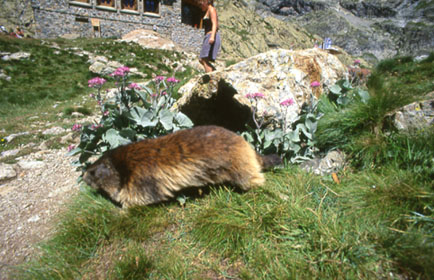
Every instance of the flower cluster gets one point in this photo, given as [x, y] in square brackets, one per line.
[256, 95]
[134, 86]
[287, 102]
[96, 82]
[315, 84]
[172, 80]
[76, 127]
[357, 62]
[95, 126]
[159, 79]
[120, 72]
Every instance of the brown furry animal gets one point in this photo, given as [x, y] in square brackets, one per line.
[151, 170]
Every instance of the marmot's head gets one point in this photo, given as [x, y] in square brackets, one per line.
[103, 176]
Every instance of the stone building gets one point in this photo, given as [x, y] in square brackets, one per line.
[178, 20]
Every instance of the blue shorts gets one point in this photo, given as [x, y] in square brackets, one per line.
[210, 51]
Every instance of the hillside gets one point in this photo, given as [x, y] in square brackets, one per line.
[372, 29]
[369, 29]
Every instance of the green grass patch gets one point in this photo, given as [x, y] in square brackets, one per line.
[373, 225]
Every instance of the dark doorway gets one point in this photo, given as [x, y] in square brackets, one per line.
[191, 14]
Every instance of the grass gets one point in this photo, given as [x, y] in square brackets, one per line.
[377, 223]
[363, 130]
[45, 89]
[298, 226]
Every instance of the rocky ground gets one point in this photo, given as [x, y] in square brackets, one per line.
[44, 181]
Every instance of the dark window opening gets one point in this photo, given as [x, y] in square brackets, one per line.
[191, 14]
[107, 3]
[129, 4]
[81, 19]
[151, 6]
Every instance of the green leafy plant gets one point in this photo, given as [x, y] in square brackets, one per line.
[343, 93]
[134, 113]
[292, 141]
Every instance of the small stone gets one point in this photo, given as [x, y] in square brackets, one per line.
[31, 164]
[34, 219]
[77, 115]
[54, 131]
[9, 153]
[13, 136]
[7, 172]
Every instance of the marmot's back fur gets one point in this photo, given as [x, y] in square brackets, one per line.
[151, 170]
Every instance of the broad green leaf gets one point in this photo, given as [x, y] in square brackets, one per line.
[183, 120]
[347, 85]
[166, 119]
[364, 95]
[247, 136]
[128, 133]
[74, 152]
[267, 144]
[113, 137]
[335, 89]
[143, 117]
[304, 129]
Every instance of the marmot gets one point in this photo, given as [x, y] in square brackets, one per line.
[151, 170]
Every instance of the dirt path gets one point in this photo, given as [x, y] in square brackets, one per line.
[28, 203]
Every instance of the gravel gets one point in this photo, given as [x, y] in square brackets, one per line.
[29, 202]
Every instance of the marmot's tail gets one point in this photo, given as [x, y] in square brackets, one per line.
[269, 161]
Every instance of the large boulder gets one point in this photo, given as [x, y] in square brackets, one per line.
[220, 98]
[418, 115]
[149, 39]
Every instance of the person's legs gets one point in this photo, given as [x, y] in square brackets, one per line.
[206, 64]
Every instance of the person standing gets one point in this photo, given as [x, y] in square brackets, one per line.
[212, 41]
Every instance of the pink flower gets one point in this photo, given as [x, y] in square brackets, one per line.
[121, 71]
[95, 127]
[163, 93]
[256, 95]
[159, 79]
[172, 80]
[106, 113]
[134, 86]
[71, 147]
[287, 102]
[76, 127]
[96, 82]
[357, 62]
[315, 84]
[92, 95]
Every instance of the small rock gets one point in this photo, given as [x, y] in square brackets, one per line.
[43, 146]
[34, 164]
[16, 56]
[67, 138]
[34, 219]
[332, 162]
[54, 131]
[77, 115]
[7, 172]
[13, 136]
[9, 153]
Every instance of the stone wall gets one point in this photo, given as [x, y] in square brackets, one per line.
[55, 18]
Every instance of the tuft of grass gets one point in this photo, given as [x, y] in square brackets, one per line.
[83, 110]
[134, 264]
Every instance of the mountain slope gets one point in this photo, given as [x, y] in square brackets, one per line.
[373, 29]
